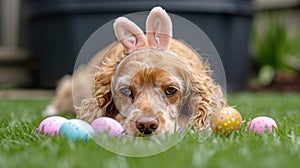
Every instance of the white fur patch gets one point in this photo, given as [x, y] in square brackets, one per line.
[50, 110]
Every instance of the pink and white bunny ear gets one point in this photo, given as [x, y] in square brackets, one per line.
[129, 34]
[159, 29]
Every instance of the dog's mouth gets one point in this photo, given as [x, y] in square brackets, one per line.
[142, 134]
[146, 134]
[144, 129]
[147, 128]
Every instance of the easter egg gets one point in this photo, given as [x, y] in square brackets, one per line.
[76, 129]
[226, 120]
[261, 124]
[111, 126]
[51, 125]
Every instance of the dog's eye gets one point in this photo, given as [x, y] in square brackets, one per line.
[126, 91]
[170, 91]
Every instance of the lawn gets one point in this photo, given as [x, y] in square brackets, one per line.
[22, 146]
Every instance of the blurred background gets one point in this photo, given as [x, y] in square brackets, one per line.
[258, 40]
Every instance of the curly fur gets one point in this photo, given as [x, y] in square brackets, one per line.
[206, 96]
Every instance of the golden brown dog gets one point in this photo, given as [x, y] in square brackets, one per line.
[144, 81]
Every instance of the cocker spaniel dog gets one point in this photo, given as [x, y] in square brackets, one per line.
[150, 82]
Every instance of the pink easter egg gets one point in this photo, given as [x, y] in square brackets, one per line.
[51, 125]
[110, 125]
[261, 124]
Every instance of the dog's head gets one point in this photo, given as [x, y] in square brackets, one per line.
[149, 90]
[151, 83]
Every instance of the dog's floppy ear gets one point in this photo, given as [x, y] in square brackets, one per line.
[129, 34]
[159, 29]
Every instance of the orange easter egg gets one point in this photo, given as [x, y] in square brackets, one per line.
[226, 120]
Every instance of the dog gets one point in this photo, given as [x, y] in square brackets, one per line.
[150, 82]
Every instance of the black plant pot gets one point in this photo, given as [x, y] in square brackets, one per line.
[59, 28]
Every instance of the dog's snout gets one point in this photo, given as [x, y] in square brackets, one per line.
[147, 125]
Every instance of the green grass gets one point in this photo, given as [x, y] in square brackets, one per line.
[22, 146]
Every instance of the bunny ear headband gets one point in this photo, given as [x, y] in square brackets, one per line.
[158, 32]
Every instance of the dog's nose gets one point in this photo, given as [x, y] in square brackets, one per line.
[147, 125]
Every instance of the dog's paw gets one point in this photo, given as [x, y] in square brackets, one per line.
[49, 111]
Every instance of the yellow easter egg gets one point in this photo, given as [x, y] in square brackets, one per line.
[226, 120]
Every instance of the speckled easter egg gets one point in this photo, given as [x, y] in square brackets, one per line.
[51, 125]
[261, 124]
[76, 129]
[110, 125]
[226, 120]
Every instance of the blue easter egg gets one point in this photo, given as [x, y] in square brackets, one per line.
[76, 129]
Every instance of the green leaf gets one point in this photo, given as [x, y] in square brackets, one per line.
[266, 75]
